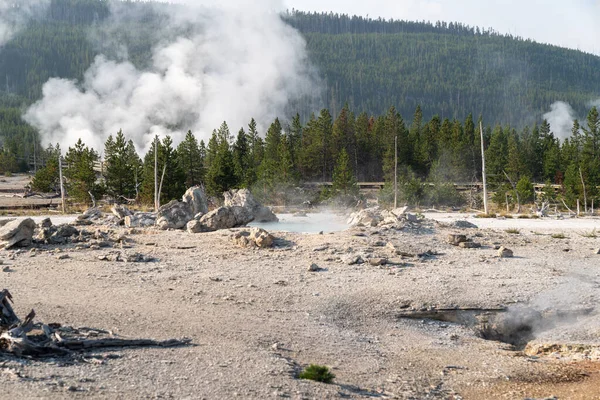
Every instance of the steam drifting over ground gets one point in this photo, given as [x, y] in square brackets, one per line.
[213, 63]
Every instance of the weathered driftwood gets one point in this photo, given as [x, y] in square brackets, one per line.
[24, 338]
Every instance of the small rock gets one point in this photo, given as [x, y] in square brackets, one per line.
[62, 256]
[6, 269]
[455, 240]
[597, 251]
[353, 260]
[377, 261]
[314, 268]
[503, 252]
[321, 248]
[469, 245]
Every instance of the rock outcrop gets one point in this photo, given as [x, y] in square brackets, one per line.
[174, 215]
[243, 198]
[221, 218]
[196, 198]
[17, 233]
[120, 211]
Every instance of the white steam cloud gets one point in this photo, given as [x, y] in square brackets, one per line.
[561, 117]
[14, 14]
[233, 63]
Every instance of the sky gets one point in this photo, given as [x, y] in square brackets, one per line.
[566, 23]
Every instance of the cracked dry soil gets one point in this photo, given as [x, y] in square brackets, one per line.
[256, 317]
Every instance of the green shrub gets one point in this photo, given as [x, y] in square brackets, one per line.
[319, 373]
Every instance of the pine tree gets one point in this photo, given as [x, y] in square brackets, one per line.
[220, 176]
[190, 160]
[80, 174]
[122, 166]
[343, 178]
[169, 173]
[242, 160]
[46, 179]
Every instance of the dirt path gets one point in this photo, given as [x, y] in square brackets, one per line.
[257, 316]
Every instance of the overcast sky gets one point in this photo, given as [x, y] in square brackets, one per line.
[568, 23]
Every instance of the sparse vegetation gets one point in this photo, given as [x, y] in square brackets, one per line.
[559, 236]
[591, 234]
[513, 231]
[482, 215]
[319, 373]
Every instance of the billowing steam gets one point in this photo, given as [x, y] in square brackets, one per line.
[561, 117]
[14, 14]
[214, 62]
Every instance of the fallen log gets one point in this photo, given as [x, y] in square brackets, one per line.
[25, 338]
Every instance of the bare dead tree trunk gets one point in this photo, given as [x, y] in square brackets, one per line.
[516, 192]
[584, 191]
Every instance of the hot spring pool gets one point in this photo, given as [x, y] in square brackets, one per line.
[312, 223]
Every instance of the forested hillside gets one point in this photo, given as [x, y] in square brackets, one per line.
[426, 83]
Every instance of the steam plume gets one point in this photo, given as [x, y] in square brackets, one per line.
[561, 117]
[215, 62]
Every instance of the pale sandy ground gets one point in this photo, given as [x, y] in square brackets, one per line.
[257, 316]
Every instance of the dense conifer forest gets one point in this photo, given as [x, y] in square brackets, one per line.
[426, 84]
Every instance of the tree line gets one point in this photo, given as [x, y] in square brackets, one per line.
[431, 155]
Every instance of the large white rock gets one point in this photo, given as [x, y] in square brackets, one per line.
[243, 198]
[17, 233]
[174, 215]
[196, 198]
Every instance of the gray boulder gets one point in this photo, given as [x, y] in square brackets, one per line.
[91, 214]
[196, 198]
[243, 198]
[256, 237]
[17, 233]
[174, 215]
[140, 220]
[221, 218]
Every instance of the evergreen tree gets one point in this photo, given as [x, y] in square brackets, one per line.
[80, 174]
[190, 160]
[343, 178]
[242, 159]
[122, 168]
[220, 176]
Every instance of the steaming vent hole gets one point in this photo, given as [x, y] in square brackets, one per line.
[515, 326]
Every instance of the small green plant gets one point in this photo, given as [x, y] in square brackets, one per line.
[513, 231]
[319, 373]
[559, 236]
[592, 234]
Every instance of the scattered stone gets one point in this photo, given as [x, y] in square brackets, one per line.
[314, 268]
[174, 215]
[120, 211]
[503, 252]
[6, 269]
[455, 240]
[243, 198]
[256, 237]
[469, 245]
[17, 233]
[91, 214]
[353, 260]
[395, 261]
[377, 261]
[300, 214]
[45, 223]
[140, 220]
[321, 248]
[597, 251]
[366, 217]
[62, 256]
[464, 224]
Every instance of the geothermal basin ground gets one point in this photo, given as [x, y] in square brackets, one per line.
[419, 319]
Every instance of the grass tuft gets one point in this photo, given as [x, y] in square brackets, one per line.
[592, 234]
[319, 373]
[490, 215]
